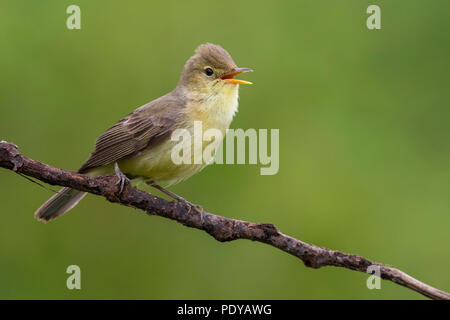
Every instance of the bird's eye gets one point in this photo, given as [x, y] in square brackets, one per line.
[209, 72]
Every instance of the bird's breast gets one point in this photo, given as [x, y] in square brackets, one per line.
[214, 111]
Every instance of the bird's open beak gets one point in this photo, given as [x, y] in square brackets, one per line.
[229, 76]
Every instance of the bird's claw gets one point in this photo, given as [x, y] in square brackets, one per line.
[196, 207]
[15, 145]
[179, 199]
[122, 178]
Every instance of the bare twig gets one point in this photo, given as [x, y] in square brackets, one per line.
[221, 228]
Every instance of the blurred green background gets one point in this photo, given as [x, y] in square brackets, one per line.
[364, 145]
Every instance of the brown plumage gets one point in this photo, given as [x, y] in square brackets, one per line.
[143, 128]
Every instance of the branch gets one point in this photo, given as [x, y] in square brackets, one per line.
[221, 228]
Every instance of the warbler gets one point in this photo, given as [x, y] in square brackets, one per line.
[139, 146]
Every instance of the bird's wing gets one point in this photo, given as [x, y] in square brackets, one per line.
[143, 128]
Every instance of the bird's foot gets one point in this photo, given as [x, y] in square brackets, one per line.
[178, 198]
[15, 145]
[122, 178]
[189, 204]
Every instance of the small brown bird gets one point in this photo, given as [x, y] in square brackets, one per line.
[140, 144]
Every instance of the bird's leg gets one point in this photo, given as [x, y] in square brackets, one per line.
[123, 179]
[176, 197]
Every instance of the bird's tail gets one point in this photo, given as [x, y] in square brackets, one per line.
[59, 204]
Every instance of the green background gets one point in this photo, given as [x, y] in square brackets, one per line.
[364, 145]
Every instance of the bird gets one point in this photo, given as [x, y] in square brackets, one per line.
[138, 147]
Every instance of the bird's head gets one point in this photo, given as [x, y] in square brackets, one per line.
[211, 70]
